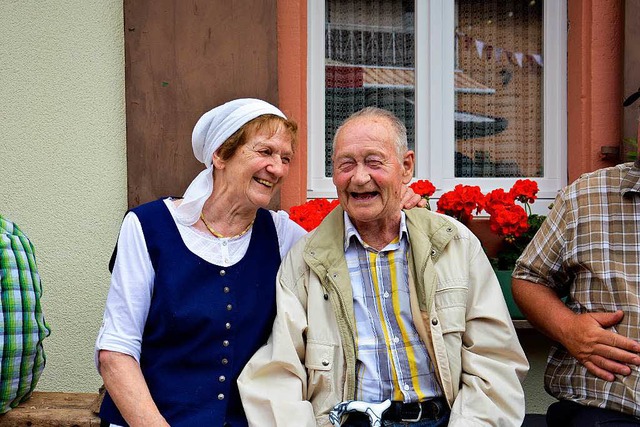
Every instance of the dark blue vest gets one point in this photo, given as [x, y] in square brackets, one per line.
[204, 323]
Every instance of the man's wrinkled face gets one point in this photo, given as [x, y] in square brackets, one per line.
[367, 171]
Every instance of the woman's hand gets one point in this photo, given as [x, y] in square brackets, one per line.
[411, 200]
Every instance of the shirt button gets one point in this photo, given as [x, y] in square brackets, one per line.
[220, 396]
[396, 340]
[222, 272]
[221, 378]
[225, 343]
[406, 387]
[386, 294]
[226, 289]
[434, 321]
[229, 307]
[224, 243]
[227, 325]
[225, 361]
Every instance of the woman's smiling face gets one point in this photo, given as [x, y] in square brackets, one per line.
[256, 170]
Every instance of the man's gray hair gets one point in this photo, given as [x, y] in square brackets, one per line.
[399, 129]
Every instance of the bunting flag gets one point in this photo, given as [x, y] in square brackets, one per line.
[495, 53]
[479, 47]
[519, 56]
[538, 59]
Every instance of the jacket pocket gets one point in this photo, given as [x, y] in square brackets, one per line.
[451, 306]
[319, 361]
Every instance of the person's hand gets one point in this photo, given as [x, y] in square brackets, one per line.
[411, 200]
[604, 353]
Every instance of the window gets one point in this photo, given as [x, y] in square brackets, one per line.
[479, 85]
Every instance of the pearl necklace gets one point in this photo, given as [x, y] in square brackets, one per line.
[216, 234]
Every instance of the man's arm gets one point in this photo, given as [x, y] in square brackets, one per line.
[126, 386]
[585, 336]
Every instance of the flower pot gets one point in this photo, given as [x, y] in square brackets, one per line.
[504, 278]
[491, 242]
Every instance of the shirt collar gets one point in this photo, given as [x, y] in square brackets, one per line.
[631, 180]
[350, 231]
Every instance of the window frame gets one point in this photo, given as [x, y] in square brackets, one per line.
[435, 100]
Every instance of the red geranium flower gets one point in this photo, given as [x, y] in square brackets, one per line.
[461, 202]
[310, 214]
[424, 188]
[510, 221]
[524, 191]
[496, 198]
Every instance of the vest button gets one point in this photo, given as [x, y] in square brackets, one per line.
[434, 321]
[220, 396]
[229, 307]
[225, 343]
[225, 361]
[221, 378]
[227, 325]
[222, 272]
[226, 289]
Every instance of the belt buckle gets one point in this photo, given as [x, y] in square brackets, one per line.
[414, 420]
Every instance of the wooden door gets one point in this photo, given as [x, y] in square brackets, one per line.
[182, 58]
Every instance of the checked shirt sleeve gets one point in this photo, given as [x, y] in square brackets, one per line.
[22, 324]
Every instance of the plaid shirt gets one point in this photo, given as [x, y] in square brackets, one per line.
[22, 324]
[589, 249]
[393, 362]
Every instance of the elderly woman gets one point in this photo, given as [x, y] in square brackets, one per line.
[192, 293]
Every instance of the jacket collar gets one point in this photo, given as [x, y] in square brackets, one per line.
[324, 248]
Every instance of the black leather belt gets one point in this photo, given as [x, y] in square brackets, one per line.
[431, 409]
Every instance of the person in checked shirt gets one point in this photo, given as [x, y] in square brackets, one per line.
[22, 324]
[588, 249]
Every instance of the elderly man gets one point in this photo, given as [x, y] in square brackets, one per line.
[381, 305]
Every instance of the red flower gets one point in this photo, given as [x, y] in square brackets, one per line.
[509, 221]
[524, 191]
[423, 188]
[497, 198]
[461, 202]
[310, 214]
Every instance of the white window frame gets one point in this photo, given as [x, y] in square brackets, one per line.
[435, 101]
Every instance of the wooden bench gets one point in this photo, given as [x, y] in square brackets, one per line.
[49, 409]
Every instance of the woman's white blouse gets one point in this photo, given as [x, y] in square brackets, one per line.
[132, 278]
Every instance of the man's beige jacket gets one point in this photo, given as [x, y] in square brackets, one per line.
[308, 364]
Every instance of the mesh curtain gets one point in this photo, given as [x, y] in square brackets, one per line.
[369, 61]
[499, 88]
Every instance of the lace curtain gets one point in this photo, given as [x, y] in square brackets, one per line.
[369, 61]
[499, 106]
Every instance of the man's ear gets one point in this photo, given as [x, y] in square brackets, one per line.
[408, 163]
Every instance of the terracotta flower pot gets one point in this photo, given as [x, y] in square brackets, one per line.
[491, 242]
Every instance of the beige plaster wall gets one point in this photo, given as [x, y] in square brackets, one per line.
[63, 162]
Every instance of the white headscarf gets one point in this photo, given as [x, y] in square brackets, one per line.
[209, 133]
